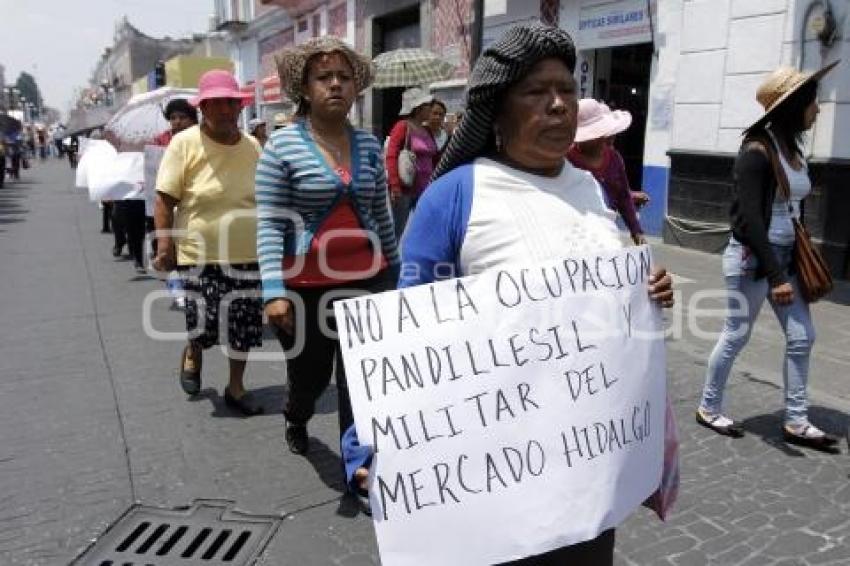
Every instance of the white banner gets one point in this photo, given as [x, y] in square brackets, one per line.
[118, 178]
[512, 412]
[109, 175]
[153, 157]
[622, 23]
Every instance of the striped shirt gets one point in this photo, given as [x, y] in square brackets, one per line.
[297, 189]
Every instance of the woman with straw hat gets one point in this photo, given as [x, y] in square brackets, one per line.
[757, 263]
[324, 226]
[597, 124]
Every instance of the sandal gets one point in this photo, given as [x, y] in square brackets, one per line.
[733, 429]
[190, 379]
[811, 437]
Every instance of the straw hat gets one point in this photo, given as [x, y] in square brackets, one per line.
[292, 64]
[413, 98]
[596, 120]
[219, 83]
[781, 84]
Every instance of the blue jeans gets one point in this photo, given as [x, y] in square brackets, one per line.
[746, 297]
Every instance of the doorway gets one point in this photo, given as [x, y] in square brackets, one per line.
[394, 31]
[622, 81]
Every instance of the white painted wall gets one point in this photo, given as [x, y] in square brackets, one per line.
[713, 54]
[727, 48]
[664, 82]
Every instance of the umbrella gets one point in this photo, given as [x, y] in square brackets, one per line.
[83, 120]
[410, 67]
[141, 119]
[8, 124]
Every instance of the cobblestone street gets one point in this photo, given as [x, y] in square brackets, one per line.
[92, 418]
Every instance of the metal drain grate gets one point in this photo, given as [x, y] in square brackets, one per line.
[209, 532]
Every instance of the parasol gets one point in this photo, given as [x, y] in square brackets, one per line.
[141, 119]
[410, 67]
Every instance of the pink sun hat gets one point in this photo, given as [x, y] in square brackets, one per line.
[219, 83]
[596, 120]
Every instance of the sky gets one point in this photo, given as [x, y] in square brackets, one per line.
[60, 41]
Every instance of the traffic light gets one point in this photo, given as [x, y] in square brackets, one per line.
[159, 74]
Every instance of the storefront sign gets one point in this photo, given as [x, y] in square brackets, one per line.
[584, 70]
[622, 23]
[271, 89]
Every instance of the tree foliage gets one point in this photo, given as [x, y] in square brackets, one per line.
[29, 88]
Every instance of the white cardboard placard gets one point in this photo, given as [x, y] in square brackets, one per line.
[153, 157]
[513, 412]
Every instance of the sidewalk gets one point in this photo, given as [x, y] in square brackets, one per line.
[92, 419]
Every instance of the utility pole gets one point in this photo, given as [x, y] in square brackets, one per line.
[477, 31]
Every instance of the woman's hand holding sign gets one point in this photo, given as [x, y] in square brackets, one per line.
[661, 287]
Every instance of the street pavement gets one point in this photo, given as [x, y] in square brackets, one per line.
[92, 419]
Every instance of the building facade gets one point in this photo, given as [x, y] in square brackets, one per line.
[713, 54]
[258, 30]
[133, 56]
[3, 95]
[687, 70]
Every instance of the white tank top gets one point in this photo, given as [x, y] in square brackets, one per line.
[781, 229]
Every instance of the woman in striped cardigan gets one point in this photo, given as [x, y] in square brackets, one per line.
[324, 228]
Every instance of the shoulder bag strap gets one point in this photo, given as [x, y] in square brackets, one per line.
[772, 153]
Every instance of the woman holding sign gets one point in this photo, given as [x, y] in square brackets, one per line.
[503, 193]
[324, 229]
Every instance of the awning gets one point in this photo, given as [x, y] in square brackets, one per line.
[271, 89]
[82, 120]
[269, 92]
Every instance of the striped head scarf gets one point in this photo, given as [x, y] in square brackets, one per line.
[504, 63]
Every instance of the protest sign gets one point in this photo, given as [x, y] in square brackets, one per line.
[512, 412]
[109, 175]
[153, 157]
[92, 155]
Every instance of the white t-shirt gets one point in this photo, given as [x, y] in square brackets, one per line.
[517, 217]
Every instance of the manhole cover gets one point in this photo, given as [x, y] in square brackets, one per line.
[209, 532]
